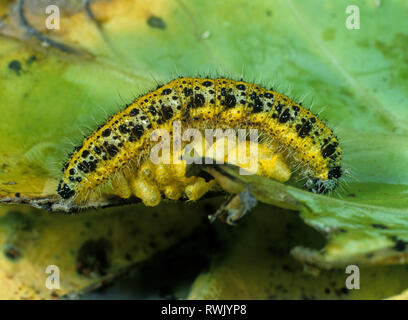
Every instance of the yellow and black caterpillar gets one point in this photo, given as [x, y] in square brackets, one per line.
[117, 151]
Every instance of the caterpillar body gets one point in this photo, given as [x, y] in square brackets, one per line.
[118, 150]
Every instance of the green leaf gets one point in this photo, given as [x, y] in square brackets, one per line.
[255, 263]
[89, 249]
[367, 225]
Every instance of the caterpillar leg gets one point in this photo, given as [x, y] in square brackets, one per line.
[152, 182]
[143, 186]
[121, 186]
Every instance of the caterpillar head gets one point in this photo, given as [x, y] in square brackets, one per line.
[65, 191]
[70, 181]
[323, 186]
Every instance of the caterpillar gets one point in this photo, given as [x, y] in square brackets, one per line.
[118, 150]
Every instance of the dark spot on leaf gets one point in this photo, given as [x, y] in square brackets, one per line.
[156, 22]
[15, 66]
[31, 60]
[379, 226]
[12, 253]
[94, 258]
